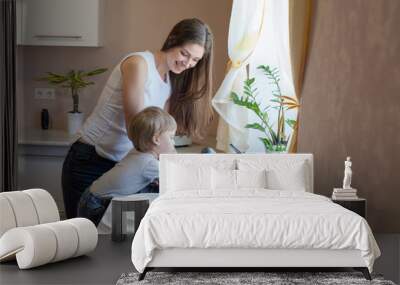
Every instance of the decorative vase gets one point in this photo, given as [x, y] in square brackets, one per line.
[75, 122]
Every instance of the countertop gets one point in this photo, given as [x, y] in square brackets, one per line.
[41, 137]
[61, 138]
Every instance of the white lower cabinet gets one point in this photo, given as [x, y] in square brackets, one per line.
[40, 167]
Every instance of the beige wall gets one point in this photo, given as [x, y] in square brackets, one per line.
[130, 25]
[351, 102]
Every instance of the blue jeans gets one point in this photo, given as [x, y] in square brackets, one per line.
[92, 207]
[151, 188]
[81, 167]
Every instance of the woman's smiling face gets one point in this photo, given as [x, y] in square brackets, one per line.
[184, 57]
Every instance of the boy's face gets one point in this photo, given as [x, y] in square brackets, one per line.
[164, 143]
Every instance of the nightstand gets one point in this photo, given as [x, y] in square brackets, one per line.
[358, 206]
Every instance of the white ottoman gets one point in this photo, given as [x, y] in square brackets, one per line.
[31, 233]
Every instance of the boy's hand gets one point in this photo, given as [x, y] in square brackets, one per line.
[155, 182]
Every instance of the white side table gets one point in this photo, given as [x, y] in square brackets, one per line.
[138, 203]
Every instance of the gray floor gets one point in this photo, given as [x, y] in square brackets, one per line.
[389, 262]
[110, 260]
[102, 266]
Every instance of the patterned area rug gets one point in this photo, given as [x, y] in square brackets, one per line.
[244, 278]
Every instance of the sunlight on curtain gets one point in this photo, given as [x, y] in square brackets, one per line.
[273, 50]
[244, 32]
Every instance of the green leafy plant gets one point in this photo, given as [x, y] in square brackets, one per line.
[74, 80]
[274, 141]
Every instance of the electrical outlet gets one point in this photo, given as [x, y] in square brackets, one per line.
[45, 93]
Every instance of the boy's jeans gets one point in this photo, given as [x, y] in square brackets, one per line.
[92, 207]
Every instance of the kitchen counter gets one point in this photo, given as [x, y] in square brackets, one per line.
[60, 140]
[41, 137]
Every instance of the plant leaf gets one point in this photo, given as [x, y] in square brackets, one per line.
[275, 101]
[255, 126]
[95, 72]
[291, 123]
[290, 105]
[291, 99]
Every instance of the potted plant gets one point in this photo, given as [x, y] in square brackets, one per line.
[73, 80]
[273, 140]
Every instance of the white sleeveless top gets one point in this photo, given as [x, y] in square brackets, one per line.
[105, 127]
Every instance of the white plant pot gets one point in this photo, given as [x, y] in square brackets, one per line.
[75, 122]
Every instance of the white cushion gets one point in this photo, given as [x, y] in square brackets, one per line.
[168, 177]
[87, 233]
[293, 179]
[220, 161]
[26, 208]
[227, 180]
[66, 237]
[223, 179]
[181, 177]
[7, 218]
[23, 208]
[40, 244]
[31, 246]
[281, 174]
[251, 179]
[45, 205]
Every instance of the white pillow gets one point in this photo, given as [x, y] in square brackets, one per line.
[224, 179]
[237, 179]
[181, 177]
[293, 179]
[282, 173]
[251, 178]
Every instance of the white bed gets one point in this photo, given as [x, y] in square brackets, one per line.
[201, 223]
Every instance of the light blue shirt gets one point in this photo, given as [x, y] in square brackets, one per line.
[132, 174]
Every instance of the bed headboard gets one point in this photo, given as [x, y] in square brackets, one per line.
[230, 161]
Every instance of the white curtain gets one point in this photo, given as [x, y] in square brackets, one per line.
[244, 32]
[258, 35]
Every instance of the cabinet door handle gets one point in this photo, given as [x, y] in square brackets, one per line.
[57, 37]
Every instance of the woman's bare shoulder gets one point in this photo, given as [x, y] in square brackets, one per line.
[134, 63]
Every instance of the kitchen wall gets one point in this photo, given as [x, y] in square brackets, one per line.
[351, 102]
[130, 25]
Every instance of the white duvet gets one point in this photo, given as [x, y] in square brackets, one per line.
[252, 218]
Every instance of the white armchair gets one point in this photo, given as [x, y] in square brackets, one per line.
[31, 230]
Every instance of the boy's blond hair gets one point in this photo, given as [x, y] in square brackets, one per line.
[149, 122]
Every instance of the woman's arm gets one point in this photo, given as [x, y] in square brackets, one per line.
[166, 106]
[134, 72]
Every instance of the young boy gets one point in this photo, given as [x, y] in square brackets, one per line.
[152, 132]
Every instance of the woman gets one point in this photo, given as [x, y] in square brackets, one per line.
[177, 78]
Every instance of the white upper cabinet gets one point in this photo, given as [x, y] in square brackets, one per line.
[60, 22]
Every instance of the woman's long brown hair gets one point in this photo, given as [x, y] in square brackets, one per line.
[190, 102]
